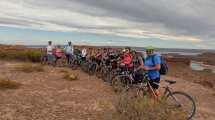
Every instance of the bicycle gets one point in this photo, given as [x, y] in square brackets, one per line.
[111, 70]
[100, 70]
[92, 67]
[123, 79]
[44, 59]
[176, 99]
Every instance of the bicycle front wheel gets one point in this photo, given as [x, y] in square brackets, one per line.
[183, 102]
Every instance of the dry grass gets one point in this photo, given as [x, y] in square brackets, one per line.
[64, 71]
[145, 109]
[70, 77]
[32, 55]
[29, 67]
[8, 84]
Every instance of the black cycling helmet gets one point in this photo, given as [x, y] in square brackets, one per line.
[128, 48]
[134, 52]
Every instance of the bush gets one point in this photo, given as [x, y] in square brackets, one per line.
[70, 77]
[145, 108]
[8, 84]
[22, 55]
[64, 71]
[29, 67]
[34, 56]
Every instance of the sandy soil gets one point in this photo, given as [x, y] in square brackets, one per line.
[183, 71]
[203, 96]
[47, 96]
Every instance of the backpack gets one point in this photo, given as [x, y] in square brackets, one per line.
[164, 67]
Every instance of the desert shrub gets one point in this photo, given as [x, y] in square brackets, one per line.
[64, 71]
[21, 55]
[70, 77]
[34, 56]
[29, 67]
[145, 108]
[8, 84]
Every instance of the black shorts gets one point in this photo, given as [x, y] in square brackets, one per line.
[155, 83]
[57, 58]
[83, 58]
[98, 61]
[138, 77]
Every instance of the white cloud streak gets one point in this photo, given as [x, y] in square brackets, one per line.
[70, 15]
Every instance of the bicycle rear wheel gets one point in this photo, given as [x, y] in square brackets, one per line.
[84, 66]
[117, 84]
[183, 102]
[104, 73]
[92, 69]
[120, 84]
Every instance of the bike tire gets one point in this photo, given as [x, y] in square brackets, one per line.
[117, 84]
[189, 98]
[92, 69]
[103, 74]
[98, 72]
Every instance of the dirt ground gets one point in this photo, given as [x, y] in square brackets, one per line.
[47, 96]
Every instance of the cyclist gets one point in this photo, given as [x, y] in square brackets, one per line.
[105, 56]
[69, 52]
[92, 55]
[152, 64]
[58, 54]
[138, 64]
[98, 56]
[84, 54]
[78, 54]
[112, 56]
[127, 58]
[50, 52]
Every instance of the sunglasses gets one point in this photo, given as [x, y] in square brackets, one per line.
[149, 51]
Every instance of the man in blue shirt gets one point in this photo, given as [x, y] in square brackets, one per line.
[69, 52]
[152, 64]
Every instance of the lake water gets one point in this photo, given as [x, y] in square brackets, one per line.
[199, 66]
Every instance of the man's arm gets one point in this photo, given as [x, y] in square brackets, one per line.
[157, 67]
[157, 62]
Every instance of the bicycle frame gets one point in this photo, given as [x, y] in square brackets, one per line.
[166, 93]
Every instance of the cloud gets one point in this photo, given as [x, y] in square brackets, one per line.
[176, 20]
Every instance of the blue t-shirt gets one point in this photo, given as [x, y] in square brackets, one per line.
[69, 49]
[151, 61]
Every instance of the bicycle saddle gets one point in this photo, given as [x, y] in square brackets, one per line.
[170, 81]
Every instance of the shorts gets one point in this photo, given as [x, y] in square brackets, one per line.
[50, 58]
[138, 77]
[107, 62]
[155, 83]
[98, 61]
[57, 58]
[83, 58]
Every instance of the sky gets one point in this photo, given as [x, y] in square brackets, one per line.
[161, 23]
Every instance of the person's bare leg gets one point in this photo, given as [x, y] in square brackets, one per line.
[157, 92]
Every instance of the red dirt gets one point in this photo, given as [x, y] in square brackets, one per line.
[47, 96]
